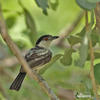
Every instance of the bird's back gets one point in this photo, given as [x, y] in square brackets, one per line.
[37, 57]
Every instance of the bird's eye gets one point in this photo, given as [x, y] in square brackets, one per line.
[46, 38]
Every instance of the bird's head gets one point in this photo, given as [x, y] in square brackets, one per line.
[45, 40]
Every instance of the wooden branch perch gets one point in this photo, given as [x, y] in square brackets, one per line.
[22, 61]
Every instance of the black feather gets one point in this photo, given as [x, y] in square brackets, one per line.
[18, 82]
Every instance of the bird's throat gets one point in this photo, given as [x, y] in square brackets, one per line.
[44, 44]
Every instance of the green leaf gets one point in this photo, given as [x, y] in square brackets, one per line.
[93, 1]
[85, 4]
[97, 55]
[43, 4]
[82, 33]
[54, 4]
[74, 39]
[53, 60]
[94, 37]
[92, 18]
[97, 72]
[83, 52]
[30, 25]
[21, 44]
[10, 21]
[67, 57]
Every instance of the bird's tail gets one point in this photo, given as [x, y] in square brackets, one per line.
[18, 81]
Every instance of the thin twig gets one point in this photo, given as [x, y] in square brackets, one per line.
[92, 59]
[65, 32]
[22, 61]
[66, 94]
[92, 71]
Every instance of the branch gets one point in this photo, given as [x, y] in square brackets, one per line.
[92, 71]
[92, 59]
[22, 61]
[68, 30]
[65, 94]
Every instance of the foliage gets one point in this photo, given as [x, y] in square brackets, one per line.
[43, 4]
[97, 72]
[53, 60]
[70, 66]
[67, 59]
[94, 1]
[85, 4]
[1, 97]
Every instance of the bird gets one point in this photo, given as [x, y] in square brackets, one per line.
[36, 57]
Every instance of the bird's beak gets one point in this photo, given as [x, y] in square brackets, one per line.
[55, 37]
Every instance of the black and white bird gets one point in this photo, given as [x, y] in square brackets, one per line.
[36, 57]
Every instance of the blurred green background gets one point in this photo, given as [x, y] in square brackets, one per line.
[69, 77]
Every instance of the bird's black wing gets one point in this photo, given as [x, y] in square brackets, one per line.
[38, 56]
